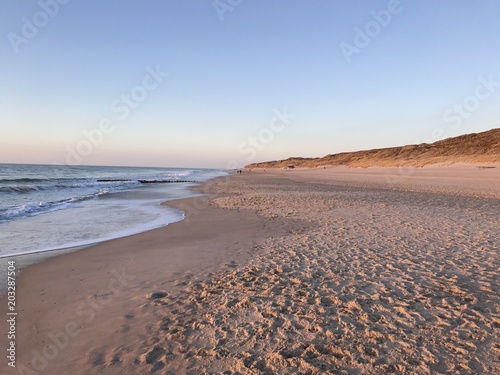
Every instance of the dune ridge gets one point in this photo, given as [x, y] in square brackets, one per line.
[472, 148]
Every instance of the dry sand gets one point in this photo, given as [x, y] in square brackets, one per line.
[285, 272]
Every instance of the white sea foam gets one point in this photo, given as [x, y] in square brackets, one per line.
[42, 211]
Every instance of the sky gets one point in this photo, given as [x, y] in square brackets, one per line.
[224, 83]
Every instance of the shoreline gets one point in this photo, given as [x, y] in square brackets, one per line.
[392, 177]
[284, 272]
[34, 257]
[87, 205]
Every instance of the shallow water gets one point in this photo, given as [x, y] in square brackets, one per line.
[53, 207]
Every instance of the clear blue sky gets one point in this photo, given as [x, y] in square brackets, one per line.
[418, 77]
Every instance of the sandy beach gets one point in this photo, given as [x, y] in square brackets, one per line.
[336, 270]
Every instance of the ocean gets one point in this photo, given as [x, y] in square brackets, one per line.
[47, 207]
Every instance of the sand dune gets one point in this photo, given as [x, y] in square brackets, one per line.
[470, 148]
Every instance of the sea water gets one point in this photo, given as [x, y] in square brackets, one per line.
[46, 207]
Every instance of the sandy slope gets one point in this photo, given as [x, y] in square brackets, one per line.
[472, 148]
